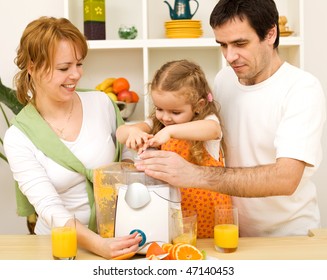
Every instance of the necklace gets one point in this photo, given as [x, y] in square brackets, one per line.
[61, 131]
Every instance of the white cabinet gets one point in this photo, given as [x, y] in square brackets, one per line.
[138, 59]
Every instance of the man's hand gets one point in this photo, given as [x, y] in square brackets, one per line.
[168, 167]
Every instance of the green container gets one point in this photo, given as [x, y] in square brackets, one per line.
[95, 19]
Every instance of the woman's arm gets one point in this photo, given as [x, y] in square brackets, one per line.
[107, 248]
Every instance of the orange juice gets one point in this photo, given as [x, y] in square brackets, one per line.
[226, 237]
[64, 243]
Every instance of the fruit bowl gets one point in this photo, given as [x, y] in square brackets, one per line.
[126, 109]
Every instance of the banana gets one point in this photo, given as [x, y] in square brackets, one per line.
[112, 96]
[105, 84]
[108, 89]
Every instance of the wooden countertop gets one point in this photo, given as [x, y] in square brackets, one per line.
[313, 246]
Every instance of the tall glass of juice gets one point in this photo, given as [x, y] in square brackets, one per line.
[64, 237]
[226, 229]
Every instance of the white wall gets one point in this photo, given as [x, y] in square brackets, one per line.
[315, 58]
[15, 14]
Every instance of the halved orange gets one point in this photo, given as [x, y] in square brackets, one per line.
[188, 252]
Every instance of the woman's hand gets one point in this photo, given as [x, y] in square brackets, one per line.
[114, 247]
[107, 248]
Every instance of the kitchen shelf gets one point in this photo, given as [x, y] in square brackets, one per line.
[138, 59]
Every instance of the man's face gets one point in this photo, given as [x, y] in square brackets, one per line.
[250, 58]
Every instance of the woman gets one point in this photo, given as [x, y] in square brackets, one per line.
[61, 131]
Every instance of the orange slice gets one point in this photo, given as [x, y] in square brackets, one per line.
[166, 247]
[188, 252]
[124, 256]
[172, 251]
[154, 249]
[152, 258]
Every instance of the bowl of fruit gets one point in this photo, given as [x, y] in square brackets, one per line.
[118, 89]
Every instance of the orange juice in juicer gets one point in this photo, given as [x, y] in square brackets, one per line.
[128, 200]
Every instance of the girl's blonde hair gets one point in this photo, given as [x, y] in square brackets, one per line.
[188, 79]
[37, 48]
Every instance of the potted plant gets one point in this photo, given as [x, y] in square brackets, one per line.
[8, 98]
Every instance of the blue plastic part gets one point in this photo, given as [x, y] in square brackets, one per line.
[140, 233]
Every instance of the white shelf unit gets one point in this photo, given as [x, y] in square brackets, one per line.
[138, 59]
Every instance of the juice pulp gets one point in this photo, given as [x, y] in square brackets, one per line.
[64, 243]
[188, 238]
[226, 236]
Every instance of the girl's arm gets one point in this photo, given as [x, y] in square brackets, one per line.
[202, 130]
[133, 135]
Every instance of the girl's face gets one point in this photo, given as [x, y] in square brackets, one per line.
[59, 84]
[171, 108]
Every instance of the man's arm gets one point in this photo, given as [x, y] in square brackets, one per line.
[280, 178]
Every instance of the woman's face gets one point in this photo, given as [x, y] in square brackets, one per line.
[60, 83]
[171, 108]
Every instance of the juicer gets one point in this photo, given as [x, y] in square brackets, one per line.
[128, 200]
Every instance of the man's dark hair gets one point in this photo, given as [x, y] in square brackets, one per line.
[261, 14]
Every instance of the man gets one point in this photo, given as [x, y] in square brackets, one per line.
[272, 115]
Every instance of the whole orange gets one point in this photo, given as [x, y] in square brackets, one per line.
[135, 97]
[120, 84]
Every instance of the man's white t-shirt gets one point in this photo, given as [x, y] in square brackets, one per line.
[282, 116]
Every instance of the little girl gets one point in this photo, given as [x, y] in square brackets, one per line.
[185, 120]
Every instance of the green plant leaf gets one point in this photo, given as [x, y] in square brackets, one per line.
[4, 115]
[3, 157]
[8, 97]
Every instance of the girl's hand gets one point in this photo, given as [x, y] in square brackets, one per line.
[137, 138]
[160, 138]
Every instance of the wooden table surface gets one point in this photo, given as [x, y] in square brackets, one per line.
[313, 246]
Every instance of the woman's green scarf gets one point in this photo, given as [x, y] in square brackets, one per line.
[44, 138]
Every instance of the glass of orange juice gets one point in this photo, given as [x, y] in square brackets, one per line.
[64, 237]
[226, 229]
[184, 227]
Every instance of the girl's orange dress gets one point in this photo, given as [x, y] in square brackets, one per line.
[203, 201]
